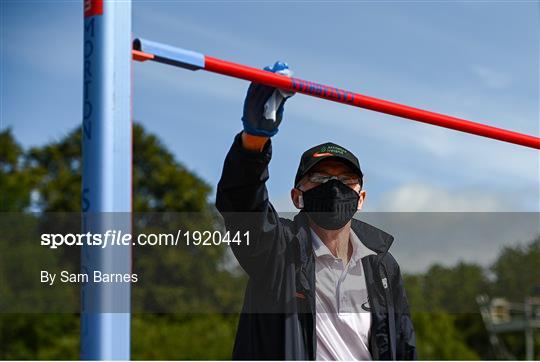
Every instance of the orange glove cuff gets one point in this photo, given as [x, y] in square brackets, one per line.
[253, 143]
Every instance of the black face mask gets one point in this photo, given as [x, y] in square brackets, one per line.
[331, 205]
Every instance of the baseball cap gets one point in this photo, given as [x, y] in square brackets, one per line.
[323, 152]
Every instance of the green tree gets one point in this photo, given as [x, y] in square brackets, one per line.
[516, 271]
[517, 277]
[439, 339]
[448, 296]
[160, 183]
[15, 179]
[454, 289]
[198, 337]
[24, 336]
[177, 281]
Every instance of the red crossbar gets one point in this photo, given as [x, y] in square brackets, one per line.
[236, 70]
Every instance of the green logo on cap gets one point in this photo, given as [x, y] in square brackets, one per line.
[336, 150]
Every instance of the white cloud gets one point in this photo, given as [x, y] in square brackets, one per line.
[417, 197]
[423, 239]
[491, 78]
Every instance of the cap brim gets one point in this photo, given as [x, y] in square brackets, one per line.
[341, 159]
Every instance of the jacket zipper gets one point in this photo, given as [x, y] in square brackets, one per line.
[389, 308]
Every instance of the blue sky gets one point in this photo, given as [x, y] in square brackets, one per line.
[477, 60]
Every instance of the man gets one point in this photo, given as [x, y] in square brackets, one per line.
[322, 286]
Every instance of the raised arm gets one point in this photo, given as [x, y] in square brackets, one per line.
[242, 197]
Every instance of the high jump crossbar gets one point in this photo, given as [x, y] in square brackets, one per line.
[144, 50]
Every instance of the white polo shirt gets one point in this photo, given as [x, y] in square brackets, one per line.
[342, 316]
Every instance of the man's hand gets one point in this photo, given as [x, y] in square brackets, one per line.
[263, 108]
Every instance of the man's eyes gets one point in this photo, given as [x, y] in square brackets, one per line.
[344, 178]
[352, 175]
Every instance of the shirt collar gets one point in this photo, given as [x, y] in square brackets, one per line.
[318, 246]
[359, 249]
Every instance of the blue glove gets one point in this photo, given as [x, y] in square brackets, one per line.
[263, 106]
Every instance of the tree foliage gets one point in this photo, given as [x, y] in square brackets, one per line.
[15, 179]
[517, 271]
[177, 281]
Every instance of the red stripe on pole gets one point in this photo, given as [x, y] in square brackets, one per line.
[93, 7]
[379, 105]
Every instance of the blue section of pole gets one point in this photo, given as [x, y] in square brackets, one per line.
[106, 184]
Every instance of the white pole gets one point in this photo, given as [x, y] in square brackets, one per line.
[107, 162]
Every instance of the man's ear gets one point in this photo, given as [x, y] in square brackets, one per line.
[296, 196]
[361, 199]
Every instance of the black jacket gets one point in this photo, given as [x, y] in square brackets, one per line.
[278, 315]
